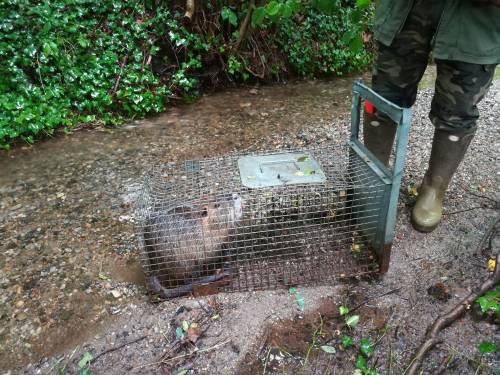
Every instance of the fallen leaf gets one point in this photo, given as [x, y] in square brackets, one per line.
[492, 263]
[87, 357]
[185, 325]
[412, 190]
[356, 248]
[193, 334]
[103, 276]
[352, 321]
[328, 349]
[439, 291]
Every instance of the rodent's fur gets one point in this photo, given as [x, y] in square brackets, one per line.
[182, 240]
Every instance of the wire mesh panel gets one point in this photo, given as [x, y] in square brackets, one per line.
[199, 224]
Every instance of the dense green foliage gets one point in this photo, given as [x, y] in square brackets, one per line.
[70, 62]
[322, 44]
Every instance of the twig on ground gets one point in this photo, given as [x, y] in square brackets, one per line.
[482, 196]
[468, 209]
[443, 365]
[116, 348]
[216, 346]
[443, 321]
[374, 297]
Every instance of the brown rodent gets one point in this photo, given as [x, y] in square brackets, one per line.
[182, 240]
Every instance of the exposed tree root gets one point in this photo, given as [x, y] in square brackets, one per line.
[443, 321]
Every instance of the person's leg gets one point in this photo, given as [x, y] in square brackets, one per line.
[459, 88]
[397, 70]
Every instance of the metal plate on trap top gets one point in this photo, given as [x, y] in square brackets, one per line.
[279, 169]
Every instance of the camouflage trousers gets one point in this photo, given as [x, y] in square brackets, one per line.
[459, 86]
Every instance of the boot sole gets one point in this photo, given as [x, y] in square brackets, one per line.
[421, 228]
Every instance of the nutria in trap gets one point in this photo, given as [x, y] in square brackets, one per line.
[270, 220]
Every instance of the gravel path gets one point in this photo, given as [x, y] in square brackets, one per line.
[69, 276]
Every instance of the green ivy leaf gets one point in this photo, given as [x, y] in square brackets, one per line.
[328, 7]
[258, 16]
[490, 301]
[360, 362]
[228, 15]
[346, 341]
[366, 347]
[343, 310]
[487, 347]
[356, 44]
[273, 8]
[363, 3]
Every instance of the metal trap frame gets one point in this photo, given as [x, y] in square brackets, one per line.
[272, 220]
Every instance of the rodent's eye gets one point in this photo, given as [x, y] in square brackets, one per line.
[204, 212]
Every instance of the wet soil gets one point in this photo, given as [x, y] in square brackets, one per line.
[70, 279]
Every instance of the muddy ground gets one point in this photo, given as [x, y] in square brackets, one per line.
[71, 282]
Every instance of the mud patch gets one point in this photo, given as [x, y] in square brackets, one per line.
[295, 345]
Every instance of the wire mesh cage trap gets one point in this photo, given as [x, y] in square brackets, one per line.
[270, 220]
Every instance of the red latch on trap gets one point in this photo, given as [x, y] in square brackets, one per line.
[369, 107]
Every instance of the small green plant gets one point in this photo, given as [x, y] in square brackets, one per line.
[343, 310]
[299, 298]
[366, 349]
[487, 347]
[83, 364]
[490, 302]
[346, 341]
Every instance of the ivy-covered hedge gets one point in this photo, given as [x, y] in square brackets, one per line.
[70, 62]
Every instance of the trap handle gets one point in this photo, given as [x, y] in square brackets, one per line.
[390, 176]
[400, 116]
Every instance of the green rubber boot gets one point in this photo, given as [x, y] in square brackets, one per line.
[447, 152]
[379, 136]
